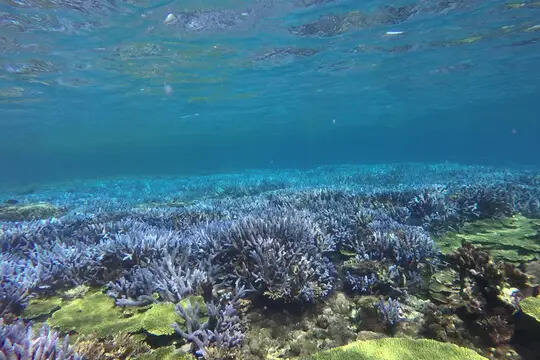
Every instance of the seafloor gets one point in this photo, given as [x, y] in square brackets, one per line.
[405, 261]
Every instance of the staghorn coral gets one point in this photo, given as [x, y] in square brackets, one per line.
[140, 245]
[171, 278]
[275, 255]
[221, 331]
[390, 312]
[17, 341]
[17, 279]
[389, 257]
[433, 208]
[135, 288]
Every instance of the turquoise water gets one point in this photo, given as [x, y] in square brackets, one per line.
[107, 88]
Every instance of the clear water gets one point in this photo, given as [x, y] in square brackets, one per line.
[100, 88]
[365, 168]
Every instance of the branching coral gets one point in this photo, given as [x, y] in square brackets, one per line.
[222, 330]
[17, 341]
[388, 255]
[390, 312]
[276, 255]
[433, 208]
[17, 279]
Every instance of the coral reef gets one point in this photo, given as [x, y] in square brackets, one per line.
[277, 256]
[252, 266]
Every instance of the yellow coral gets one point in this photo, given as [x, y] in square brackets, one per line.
[531, 306]
[398, 349]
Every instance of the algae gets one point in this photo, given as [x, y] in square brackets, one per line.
[398, 349]
[530, 306]
[513, 239]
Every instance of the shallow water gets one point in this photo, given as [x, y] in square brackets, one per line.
[276, 178]
[263, 84]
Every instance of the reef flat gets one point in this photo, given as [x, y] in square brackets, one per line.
[352, 262]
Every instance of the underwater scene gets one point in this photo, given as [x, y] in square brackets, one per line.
[269, 179]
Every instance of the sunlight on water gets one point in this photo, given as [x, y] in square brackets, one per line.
[81, 80]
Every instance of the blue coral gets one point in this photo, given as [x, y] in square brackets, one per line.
[390, 312]
[18, 342]
[17, 279]
[223, 328]
[277, 255]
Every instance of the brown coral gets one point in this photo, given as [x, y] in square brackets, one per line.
[119, 347]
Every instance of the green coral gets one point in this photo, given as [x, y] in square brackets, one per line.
[96, 313]
[20, 212]
[531, 306]
[40, 307]
[398, 349]
[513, 239]
[158, 319]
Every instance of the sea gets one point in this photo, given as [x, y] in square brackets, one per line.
[277, 178]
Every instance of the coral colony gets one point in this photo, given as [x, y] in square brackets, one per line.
[222, 249]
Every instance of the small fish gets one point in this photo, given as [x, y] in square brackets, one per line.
[167, 89]
[11, 201]
[170, 19]
[394, 33]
